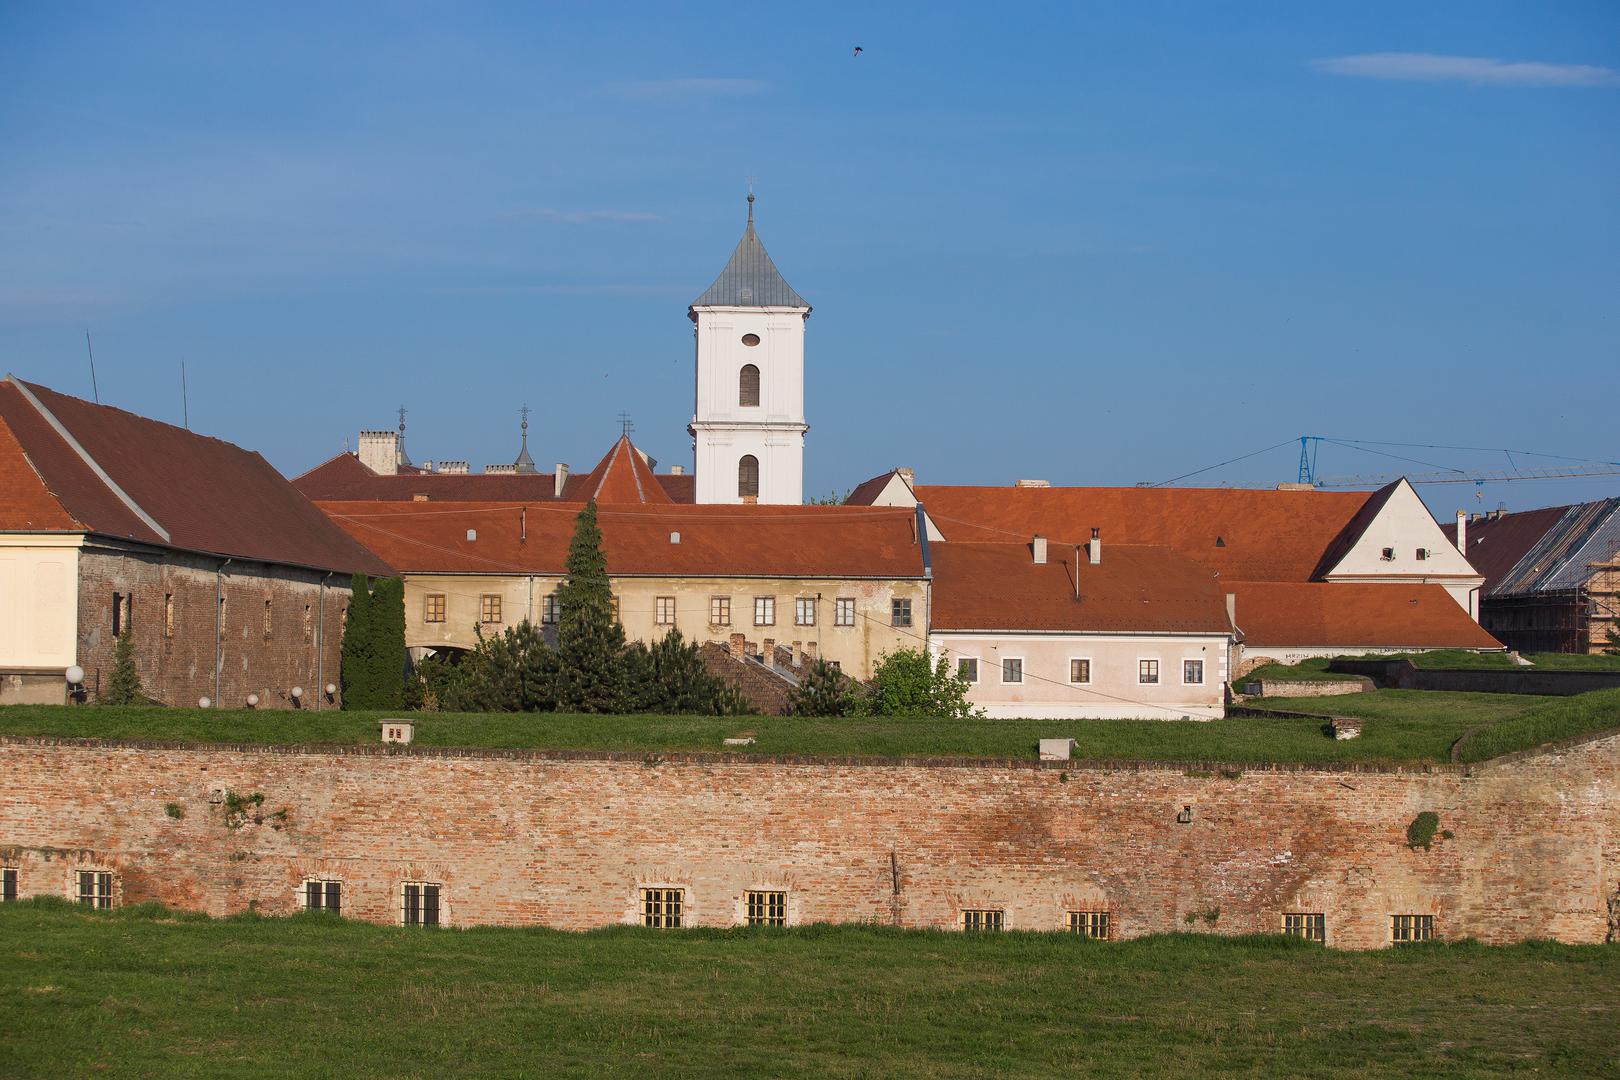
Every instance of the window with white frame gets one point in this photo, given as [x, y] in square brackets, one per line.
[662, 908]
[1147, 672]
[1192, 672]
[1012, 669]
[765, 907]
[900, 612]
[320, 895]
[1089, 924]
[665, 611]
[548, 609]
[982, 919]
[764, 611]
[967, 669]
[804, 611]
[1080, 670]
[844, 611]
[420, 903]
[94, 888]
[719, 611]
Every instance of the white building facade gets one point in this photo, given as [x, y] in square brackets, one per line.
[748, 423]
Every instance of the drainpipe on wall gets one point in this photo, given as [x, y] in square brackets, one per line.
[320, 643]
[219, 629]
[531, 600]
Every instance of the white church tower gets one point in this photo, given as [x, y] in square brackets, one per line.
[748, 425]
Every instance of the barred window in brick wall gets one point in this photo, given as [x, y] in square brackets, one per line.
[980, 919]
[766, 908]
[764, 611]
[433, 607]
[95, 888]
[120, 612]
[224, 613]
[309, 624]
[8, 885]
[844, 611]
[1089, 924]
[662, 908]
[900, 612]
[719, 611]
[421, 901]
[1405, 929]
[804, 611]
[665, 615]
[1192, 672]
[967, 669]
[1312, 926]
[548, 610]
[168, 614]
[267, 620]
[323, 896]
[1147, 671]
[489, 608]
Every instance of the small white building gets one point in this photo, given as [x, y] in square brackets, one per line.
[1047, 631]
[748, 421]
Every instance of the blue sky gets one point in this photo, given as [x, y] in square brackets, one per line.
[1093, 244]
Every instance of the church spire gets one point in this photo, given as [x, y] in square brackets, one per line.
[524, 463]
[750, 278]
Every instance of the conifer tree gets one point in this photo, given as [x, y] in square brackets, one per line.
[824, 691]
[386, 620]
[124, 688]
[592, 672]
[357, 647]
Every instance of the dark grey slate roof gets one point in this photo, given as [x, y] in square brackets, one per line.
[750, 279]
[1561, 560]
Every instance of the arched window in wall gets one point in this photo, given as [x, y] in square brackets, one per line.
[748, 385]
[748, 476]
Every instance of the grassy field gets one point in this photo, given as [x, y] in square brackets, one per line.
[1316, 668]
[1312, 670]
[1404, 726]
[146, 992]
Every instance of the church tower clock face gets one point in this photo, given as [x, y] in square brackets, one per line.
[748, 422]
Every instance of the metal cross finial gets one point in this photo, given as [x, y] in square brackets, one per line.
[402, 419]
[525, 412]
[625, 426]
[751, 199]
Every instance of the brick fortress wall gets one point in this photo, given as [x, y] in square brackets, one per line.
[176, 659]
[566, 839]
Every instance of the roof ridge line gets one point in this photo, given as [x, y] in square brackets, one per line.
[91, 463]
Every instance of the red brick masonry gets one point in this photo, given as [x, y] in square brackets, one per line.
[566, 839]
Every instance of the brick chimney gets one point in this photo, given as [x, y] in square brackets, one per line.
[559, 477]
[1462, 532]
[1038, 546]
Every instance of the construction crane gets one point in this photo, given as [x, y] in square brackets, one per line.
[1310, 445]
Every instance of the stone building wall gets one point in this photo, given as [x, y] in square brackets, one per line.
[567, 839]
[272, 635]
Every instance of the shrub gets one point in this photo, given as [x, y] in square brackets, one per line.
[124, 688]
[1420, 834]
[906, 683]
[824, 691]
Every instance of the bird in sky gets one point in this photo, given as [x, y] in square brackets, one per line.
[859, 50]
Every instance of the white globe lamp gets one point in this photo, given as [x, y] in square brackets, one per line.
[75, 675]
[203, 703]
[253, 701]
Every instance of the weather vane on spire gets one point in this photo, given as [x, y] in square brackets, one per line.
[625, 426]
[402, 419]
[751, 198]
[525, 412]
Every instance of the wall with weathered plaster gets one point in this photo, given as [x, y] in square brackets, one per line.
[566, 839]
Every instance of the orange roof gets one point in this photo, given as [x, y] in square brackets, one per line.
[1243, 534]
[1134, 589]
[1387, 615]
[714, 541]
[621, 477]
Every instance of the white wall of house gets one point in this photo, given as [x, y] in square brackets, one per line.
[1404, 543]
[724, 430]
[1115, 689]
[39, 601]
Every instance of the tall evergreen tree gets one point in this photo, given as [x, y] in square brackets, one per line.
[387, 631]
[357, 649]
[124, 688]
[592, 675]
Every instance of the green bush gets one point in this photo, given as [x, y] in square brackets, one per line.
[1420, 834]
[124, 688]
[824, 691]
[906, 683]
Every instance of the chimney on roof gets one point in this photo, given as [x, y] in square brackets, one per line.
[908, 474]
[559, 478]
[454, 468]
[1096, 547]
[1462, 532]
[379, 452]
[1231, 609]
[1038, 546]
[1032, 483]
[677, 470]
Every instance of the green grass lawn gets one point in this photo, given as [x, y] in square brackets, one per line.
[147, 992]
[1406, 726]
[1312, 670]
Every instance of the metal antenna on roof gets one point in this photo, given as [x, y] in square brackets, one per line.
[625, 426]
[185, 403]
[95, 392]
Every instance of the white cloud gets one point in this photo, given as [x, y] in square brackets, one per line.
[581, 217]
[1480, 70]
[687, 89]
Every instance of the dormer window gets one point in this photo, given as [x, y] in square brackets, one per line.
[748, 386]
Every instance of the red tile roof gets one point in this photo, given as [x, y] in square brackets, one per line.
[208, 495]
[715, 541]
[1134, 589]
[28, 504]
[867, 491]
[344, 478]
[1496, 544]
[1243, 534]
[620, 477]
[1349, 614]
